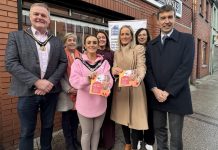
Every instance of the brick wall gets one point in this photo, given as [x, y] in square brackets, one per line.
[0, 115]
[8, 23]
[202, 32]
[142, 10]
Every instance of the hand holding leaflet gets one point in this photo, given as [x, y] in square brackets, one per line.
[100, 85]
[128, 78]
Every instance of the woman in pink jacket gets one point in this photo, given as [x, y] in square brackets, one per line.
[90, 108]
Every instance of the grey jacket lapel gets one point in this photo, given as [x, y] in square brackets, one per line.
[52, 49]
[32, 42]
[52, 46]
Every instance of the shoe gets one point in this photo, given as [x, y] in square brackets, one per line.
[139, 145]
[128, 147]
[148, 147]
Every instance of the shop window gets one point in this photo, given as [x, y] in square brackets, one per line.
[94, 31]
[52, 27]
[26, 22]
[78, 29]
[86, 30]
[70, 28]
[60, 29]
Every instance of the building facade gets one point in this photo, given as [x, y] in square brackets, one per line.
[201, 32]
[214, 38]
[82, 17]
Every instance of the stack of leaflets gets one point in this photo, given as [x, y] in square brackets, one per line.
[100, 85]
[126, 78]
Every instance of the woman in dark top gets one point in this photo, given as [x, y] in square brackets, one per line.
[107, 138]
[142, 37]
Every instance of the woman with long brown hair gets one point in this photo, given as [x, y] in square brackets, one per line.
[142, 37]
[108, 128]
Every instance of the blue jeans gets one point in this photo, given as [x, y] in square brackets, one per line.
[28, 108]
[161, 131]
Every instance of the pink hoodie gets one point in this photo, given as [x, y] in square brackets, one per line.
[88, 105]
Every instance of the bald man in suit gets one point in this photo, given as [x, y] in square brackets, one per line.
[36, 61]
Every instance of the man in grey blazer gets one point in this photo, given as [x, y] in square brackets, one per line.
[37, 61]
[170, 59]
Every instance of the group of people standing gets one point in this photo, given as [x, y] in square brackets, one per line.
[49, 76]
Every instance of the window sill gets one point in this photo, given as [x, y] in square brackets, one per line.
[204, 66]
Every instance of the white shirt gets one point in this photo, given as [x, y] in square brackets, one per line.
[43, 55]
[164, 34]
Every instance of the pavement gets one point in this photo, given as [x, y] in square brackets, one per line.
[200, 129]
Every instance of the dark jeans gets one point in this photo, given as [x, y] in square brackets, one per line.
[70, 123]
[161, 131]
[28, 108]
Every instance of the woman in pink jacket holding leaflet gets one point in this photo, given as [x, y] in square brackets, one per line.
[91, 108]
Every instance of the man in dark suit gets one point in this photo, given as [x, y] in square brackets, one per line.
[37, 61]
[170, 59]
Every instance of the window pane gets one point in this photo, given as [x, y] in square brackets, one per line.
[70, 28]
[52, 27]
[60, 29]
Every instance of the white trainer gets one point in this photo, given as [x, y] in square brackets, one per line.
[139, 145]
[148, 147]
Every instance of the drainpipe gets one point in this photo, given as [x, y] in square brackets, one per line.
[194, 5]
[19, 14]
[193, 15]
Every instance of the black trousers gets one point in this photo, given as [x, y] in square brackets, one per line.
[70, 123]
[147, 135]
[127, 136]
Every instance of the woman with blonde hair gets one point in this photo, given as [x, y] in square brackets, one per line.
[129, 106]
[67, 97]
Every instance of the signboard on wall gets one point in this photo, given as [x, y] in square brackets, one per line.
[177, 4]
[114, 28]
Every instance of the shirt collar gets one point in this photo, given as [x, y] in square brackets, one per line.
[36, 32]
[168, 34]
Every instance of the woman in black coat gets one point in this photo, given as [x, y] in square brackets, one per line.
[107, 137]
[142, 37]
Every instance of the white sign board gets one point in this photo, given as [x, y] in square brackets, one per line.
[114, 28]
[177, 4]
